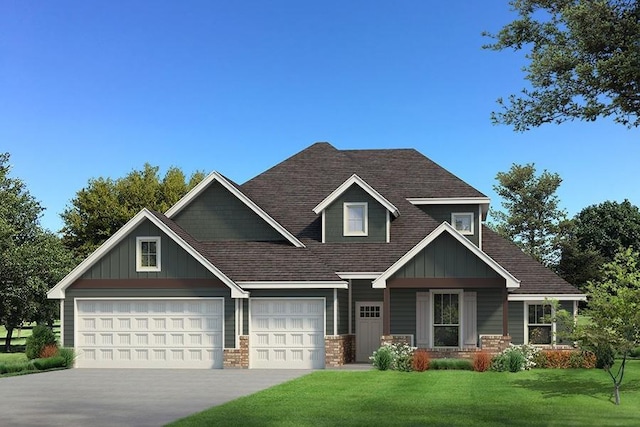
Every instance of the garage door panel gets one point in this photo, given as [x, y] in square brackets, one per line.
[287, 333]
[138, 334]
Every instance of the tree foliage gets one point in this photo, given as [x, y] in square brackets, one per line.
[614, 310]
[583, 61]
[105, 205]
[531, 217]
[596, 235]
[32, 259]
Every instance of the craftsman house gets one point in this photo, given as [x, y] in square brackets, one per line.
[308, 265]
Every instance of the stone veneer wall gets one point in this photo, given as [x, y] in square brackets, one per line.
[339, 349]
[237, 357]
[492, 344]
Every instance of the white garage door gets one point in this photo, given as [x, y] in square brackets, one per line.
[149, 333]
[287, 333]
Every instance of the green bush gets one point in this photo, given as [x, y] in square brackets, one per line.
[516, 358]
[635, 352]
[40, 337]
[451, 364]
[516, 361]
[382, 358]
[49, 363]
[68, 354]
[11, 368]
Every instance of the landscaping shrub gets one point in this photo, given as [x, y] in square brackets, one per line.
[68, 354]
[563, 359]
[49, 363]
[11, 368]
[605, 356]
[515, 358]
[421, 360]
[49, 350]
[635, 352]
[382, 358]
[481, 361]
[540, 359]
[451, 364]
[41, 336]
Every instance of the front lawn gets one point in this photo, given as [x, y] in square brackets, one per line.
[12, 358]
[571, 397]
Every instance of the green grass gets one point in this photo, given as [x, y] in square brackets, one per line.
[435, 398]
[12, 358]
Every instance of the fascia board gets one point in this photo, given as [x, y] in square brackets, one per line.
[542, 297]
[355, 179]
[366, 275]
[294, 285]
[58, 291]
[484, 202]
[215, 176]
[511, 281]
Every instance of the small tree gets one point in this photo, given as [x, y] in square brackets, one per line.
[614, 307]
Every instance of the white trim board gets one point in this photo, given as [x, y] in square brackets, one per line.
[445, 227]
[295, 285]
[355, 179]
[216, 177]
[542, 297]
[367, 275]
[58, 291]
[482, 201]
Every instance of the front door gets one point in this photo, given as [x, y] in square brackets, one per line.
[368, 329]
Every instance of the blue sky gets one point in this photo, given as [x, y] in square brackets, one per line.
[90, 89]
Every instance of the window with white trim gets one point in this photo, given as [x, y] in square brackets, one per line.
[540, 323]
[356, 221]
[463, 222]
[446, 319]
[148, 254]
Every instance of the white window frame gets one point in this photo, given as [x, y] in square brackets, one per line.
[470, 215]
[145, 239]
[526, 322]
[365, 207]
[432, 313]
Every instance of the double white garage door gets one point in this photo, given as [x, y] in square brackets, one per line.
[189, 333]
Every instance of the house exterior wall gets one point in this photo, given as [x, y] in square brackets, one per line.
[442, 213]
[334, 218]
[445, 257]
[120, 261]
[72, 294]
[343, 311]
[217, 215]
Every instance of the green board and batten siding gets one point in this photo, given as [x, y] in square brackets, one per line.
[217, 215]
[442, 213]
[334, 217]
[120, 261]
[445, 257]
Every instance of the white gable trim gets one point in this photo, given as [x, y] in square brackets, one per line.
[58, 291]
[482, 201]
[367, 275]
[327, 284]
[381, 282]
[216, 177]
[355, 179]
[543, 297]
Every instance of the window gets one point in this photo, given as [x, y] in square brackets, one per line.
[446, 319]
[539, 324]
[462, 222]
[355, 219]
[148, 254]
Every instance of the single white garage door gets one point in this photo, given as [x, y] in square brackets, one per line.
[287, 333]
[149, 333]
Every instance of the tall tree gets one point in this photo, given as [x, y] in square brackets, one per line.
[531, 217]
[614, 328]
[32, 260]
[583, 61]
[597, 234]
[105, 205]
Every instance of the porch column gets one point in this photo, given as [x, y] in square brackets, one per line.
[386, 312]
[505, 312]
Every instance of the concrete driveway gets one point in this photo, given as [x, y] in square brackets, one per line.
[125, 397]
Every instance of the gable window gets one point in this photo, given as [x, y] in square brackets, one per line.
[446, 319]
[148, 254]
[356, 222]
[540, 324]
[462, 222]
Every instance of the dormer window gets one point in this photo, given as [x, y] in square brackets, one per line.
[462, 222]
[148, 254]
[356, 221]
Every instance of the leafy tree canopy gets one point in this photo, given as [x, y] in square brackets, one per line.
[583, 61]
[531, 217]
[105, 205]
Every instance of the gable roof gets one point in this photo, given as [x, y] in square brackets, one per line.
[217, 177]
[445, 227]
[356, 180]
[58, 291]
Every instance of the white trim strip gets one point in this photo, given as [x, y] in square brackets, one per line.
[355, 179]
[295, 285]
[368, 275]
[448, 200]
[335, 312]
[381, 282]
[542, 297]
[215, 176]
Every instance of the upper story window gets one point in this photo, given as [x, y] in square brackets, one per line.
[463, 222]
[148, 254]
[356, 221]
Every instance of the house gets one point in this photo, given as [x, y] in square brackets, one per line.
[313, 263]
